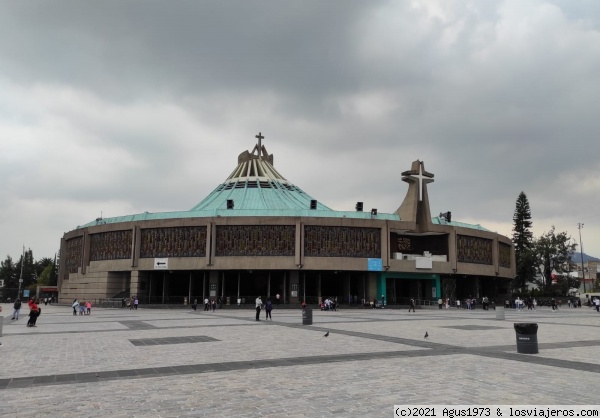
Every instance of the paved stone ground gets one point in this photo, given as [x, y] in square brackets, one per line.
[170, 363]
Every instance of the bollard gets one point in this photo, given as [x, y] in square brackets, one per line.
[307, 316]
[500, 313]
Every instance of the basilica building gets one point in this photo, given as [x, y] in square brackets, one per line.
[257, 233]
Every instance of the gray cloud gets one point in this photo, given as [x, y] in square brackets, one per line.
[123, 107]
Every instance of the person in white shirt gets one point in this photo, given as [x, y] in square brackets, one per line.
[518, 305]
[258, 307]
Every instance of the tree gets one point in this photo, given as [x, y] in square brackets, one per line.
[8, 273]
[523, 242]
[562, 283]
[45, 275]
[30, 270]
[43, 263]
[552, 256]
[47, 265]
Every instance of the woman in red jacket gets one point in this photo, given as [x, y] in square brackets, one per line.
[34, 312]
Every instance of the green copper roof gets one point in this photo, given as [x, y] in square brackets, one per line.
[258, 195]
[438, 221]
[306, 213]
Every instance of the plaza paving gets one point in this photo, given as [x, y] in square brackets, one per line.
[179, 362]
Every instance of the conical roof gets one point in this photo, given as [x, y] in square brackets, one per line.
[255, 184]
[257, 189]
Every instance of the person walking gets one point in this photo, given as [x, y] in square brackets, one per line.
[258, 303]
[34, 312]
[206, 304]
[136, 302]
[214, 305]
[16, 309]
[440, 303]
[268, 309]
[88, 306]
[38, 312]
[412, 305]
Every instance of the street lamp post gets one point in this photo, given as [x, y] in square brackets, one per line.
[21, 276]
[580, 226]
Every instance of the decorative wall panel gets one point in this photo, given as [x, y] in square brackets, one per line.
[339, 241]
[187, 241]
[473, 250]
[114, 245]
[74, 254]
[412, 244]
[255, 240]
[504, 255]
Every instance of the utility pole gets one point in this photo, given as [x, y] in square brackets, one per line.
[21, 276]
[580, 226]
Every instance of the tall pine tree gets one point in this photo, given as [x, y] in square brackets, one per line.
[523, 241]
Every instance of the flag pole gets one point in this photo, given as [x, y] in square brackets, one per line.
[21, 277]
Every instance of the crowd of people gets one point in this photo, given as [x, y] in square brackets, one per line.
[329, 304]
[130, 303]
[83, 307]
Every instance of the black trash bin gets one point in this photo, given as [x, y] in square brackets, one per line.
[307, 316]
[527, 342]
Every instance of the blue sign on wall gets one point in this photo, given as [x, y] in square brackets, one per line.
[374, 264]
[26, 293]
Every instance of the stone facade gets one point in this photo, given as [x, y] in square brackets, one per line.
[341, 245]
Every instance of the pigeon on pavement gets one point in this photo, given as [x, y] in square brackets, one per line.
[426, 335]
[326, 335]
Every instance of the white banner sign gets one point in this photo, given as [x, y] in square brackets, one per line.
[161, 264]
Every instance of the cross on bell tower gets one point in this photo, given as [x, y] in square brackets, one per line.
[415, 206]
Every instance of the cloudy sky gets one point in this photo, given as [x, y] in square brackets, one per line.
[121, 107]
